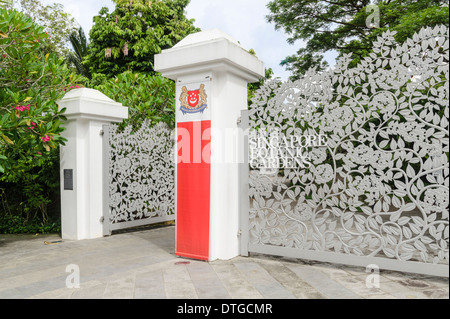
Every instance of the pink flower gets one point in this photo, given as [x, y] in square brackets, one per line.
[45, 139]
[32, 126]
[72, 87]
[22, 108]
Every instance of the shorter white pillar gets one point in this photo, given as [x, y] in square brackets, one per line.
[81, 165]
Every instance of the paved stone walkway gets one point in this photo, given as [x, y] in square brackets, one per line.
[143, 265]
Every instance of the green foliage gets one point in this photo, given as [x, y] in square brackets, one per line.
[133, 33]
[80, 51]
[31, 81]
[253, 87]
[147, 96]
[7, 4]
[30, 84]
[301, 62]
[18, 225]
[342, 26]
[403, 17]
[31, 203]
[57, 23]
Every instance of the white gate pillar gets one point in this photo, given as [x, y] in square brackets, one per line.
[211, 71]
[81, 165]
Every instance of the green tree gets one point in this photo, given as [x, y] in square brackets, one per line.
[130, 36]
[341, 26]
[80, 51]
[57, 23]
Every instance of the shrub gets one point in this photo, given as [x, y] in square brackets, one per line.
[31, 81]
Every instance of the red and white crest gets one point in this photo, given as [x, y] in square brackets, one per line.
[193, 101]
[193, 98]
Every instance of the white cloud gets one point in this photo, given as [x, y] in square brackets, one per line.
[246, 22]
[83, 10]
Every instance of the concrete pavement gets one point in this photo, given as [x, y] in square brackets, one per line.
[143, 265]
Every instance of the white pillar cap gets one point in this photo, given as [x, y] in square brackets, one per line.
[209, 50]
[91, 104]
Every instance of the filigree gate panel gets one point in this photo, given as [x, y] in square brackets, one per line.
[372, 182]
[141, 176]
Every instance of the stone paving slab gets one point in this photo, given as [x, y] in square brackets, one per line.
[143, 265]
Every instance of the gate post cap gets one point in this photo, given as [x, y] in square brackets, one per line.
[206, 51]
[85, 103]
[204, 36]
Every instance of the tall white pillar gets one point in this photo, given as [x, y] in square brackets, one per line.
[213, 62]
[81, 165]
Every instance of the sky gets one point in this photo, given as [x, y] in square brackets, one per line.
[243, 20]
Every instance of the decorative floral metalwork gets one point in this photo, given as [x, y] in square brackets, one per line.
[381, 186]
[142, 173]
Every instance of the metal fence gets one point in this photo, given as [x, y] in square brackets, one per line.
[372, 185]
[140, 177]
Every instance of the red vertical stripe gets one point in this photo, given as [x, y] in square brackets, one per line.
[193, 191]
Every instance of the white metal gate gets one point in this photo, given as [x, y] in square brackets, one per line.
[368, 176]
[140, 176]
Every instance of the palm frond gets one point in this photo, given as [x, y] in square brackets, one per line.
[80, 50]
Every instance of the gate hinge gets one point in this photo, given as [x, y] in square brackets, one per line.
[239, 233]
[102, 132]
[239, 120]
[102, 219]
